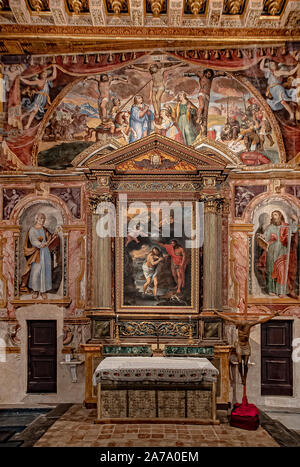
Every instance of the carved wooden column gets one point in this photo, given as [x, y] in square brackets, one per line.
[212, 253]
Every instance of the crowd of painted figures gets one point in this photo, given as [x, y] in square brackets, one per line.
[178, 100]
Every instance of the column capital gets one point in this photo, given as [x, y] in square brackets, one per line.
[212, 203]
[95, 198]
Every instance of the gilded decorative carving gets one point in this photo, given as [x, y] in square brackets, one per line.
[196, 5]
[154, 328]
[241, 227]
[95, 198]
[210, 207]
[156, 6]
[212, 203]
[209, 182]
[94, 36]
[206, 13]
[162, 147]
[4, 5]
[103, 181]
[78, 6]
[155, 160]
[233, 7]
[156, 186]
[39, 5]
[117, 5]
[273, 7]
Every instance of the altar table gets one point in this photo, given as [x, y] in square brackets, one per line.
[156, 389]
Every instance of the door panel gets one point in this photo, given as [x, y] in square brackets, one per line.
[276, 361]
[42, 356]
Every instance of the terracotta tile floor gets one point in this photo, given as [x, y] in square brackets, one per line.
[76, 428]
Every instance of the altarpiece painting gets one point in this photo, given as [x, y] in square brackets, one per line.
[156, 266]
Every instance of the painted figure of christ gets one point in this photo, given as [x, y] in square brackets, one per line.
[178, 263]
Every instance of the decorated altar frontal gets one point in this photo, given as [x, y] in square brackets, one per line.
[158, 389]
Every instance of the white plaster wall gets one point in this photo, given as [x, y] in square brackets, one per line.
[13, 371]
[254, 375]
[10, 381]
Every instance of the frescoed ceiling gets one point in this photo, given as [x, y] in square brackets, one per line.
[52, 26]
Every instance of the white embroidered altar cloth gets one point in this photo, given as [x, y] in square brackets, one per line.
[155, 369]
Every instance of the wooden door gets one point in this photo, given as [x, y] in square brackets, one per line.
[276, 358]
[42, 356]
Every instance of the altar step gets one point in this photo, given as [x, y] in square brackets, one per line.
[153, 421]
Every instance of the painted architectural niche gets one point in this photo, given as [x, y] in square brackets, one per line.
[274, 251]
[40, 271]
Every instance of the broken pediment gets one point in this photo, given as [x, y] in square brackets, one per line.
[152, 154]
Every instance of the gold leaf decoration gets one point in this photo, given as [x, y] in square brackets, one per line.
[233, 7]
[273, 7]
[156, 6]
[195, 6]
